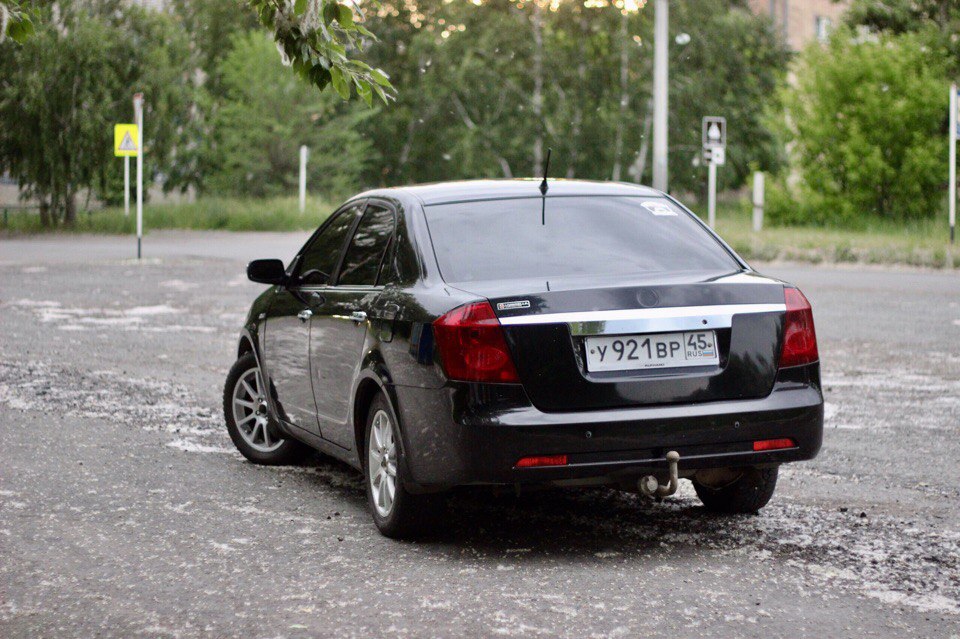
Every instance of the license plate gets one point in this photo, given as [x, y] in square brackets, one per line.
[641, 352]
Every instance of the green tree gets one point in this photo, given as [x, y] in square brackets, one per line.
[211, 26]
[62, 91]
[902, 16]
[865, 121]
[317, 37]
[266, 115]
[468, 78]
[732, 67]
[938, 21]
[16, 21]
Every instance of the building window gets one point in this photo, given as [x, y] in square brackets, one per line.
[822, 25]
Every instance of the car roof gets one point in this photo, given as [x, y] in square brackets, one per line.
[473, 190]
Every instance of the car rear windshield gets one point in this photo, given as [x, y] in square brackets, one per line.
[571, 236]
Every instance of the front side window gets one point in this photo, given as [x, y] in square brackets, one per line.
[570, 237]
[361, 264]
[320, 257]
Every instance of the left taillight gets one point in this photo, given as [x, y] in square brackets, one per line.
[472, 345]
[799, 336]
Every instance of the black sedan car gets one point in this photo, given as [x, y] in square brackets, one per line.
[483, 333]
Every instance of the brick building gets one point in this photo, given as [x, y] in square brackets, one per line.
[802, 20]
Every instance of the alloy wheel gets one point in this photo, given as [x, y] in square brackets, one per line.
[250, 412]
[382, 463]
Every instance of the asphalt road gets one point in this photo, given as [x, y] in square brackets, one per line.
[125, 512]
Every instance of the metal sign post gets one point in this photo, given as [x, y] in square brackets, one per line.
[758, 201]
[715, 154]
[661, 19]
[952, 197]
[138, 116]
[126, 186]
[303, 178]
[712, 194]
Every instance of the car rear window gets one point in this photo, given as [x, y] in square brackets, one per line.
[507, 239]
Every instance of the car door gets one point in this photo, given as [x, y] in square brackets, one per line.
[287, 325]
[339, 329]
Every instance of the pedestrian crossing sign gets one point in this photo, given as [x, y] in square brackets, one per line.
[125, 138]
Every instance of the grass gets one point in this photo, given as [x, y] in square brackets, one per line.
[225, 214]
[918, 244]
[925, 243]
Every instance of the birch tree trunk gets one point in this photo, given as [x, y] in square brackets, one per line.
[645, 142]
[576, 126]
[537, 24]
[624, 97]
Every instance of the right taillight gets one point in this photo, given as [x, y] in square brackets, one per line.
[799, 336]
[472, 346]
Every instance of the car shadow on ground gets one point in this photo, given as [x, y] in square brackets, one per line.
[544, 521]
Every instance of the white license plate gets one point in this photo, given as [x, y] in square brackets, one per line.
[640, 352]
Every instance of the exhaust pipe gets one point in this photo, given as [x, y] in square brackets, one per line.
[651, 486]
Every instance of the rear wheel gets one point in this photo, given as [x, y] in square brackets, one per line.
[732, 491]
[396, 512]
[249, 425]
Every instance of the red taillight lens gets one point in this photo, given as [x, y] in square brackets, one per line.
[472, 347]
[799, 336]
[773, 444]
[542, 460]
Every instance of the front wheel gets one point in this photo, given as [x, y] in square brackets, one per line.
[396, 512]
[248, 423]
[734, 491]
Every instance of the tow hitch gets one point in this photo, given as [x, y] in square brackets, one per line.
[651, 486]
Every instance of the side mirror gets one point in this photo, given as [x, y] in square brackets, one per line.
[266, 271]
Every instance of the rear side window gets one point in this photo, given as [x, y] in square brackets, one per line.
[506, 239]
[361, 264]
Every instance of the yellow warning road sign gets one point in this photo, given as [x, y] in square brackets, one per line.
[125, 138]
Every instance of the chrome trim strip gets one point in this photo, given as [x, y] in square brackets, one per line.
[645, 320]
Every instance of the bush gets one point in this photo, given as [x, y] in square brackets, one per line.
[866, 115]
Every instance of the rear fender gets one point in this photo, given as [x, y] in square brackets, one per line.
[375, 378]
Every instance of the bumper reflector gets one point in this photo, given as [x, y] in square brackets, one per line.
[773, 444]
[542, 460]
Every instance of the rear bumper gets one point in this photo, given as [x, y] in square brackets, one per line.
[470, 434]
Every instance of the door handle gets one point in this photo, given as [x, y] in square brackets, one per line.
[358, 317]
[304, 315]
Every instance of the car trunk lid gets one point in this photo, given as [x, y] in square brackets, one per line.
[548, 325]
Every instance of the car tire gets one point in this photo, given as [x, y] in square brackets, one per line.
[748, 493]
[251, 429]
[397, 513]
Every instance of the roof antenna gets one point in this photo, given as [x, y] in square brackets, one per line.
[543, 190]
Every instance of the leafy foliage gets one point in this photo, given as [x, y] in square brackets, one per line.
[937, 21]
[866, 116]
[484, 88]
[211, 26]
[267, 114]
[316, 38]
[16, 21]
[467, 78]
[732, 67]
[62, 91]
